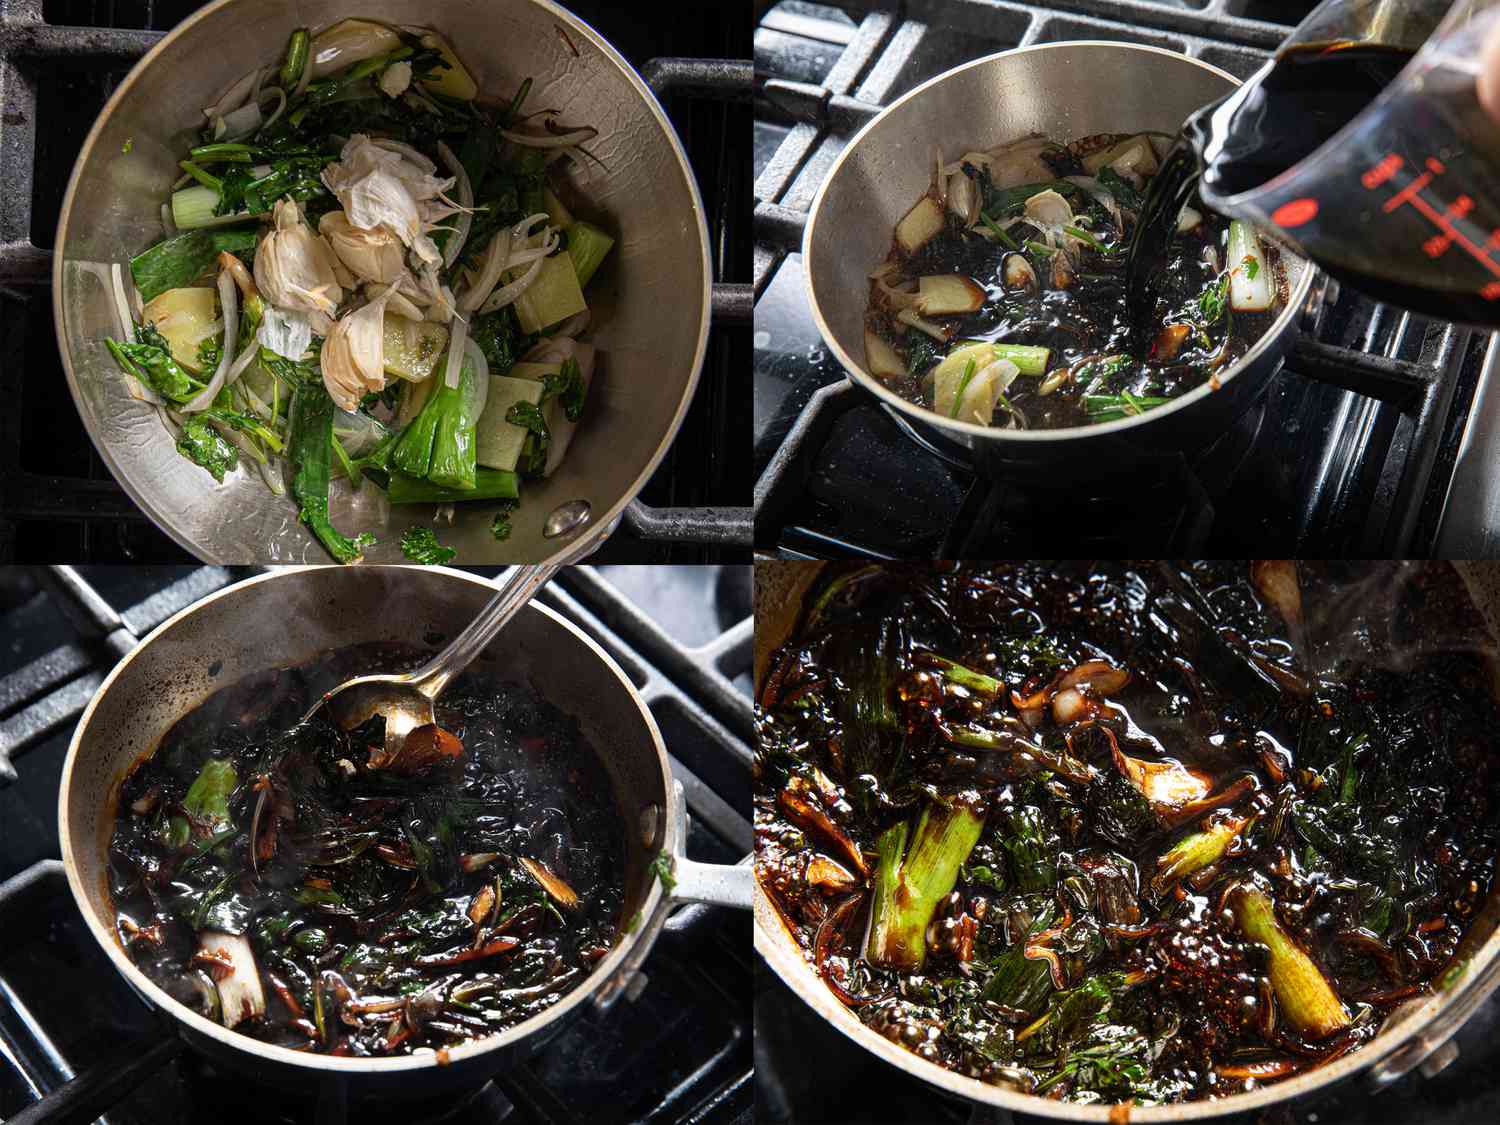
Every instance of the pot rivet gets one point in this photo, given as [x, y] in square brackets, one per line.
[567, 518]
[650, 822]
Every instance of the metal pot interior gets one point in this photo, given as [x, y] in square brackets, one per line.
[289, 618]
[779, 591]
[648, 362]
[1065, 91]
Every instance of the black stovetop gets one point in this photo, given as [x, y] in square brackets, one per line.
[680, 1052]
[58, 500]
[1314, 470]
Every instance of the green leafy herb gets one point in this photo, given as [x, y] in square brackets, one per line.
[500, 526]
[203, 445]
[662, 867]
[128, 145]
[922, 351]
[150, 360]
[311, 425]
[1125, 194]
[1252, 266]
[420, 545]
[177, 261]
[568, 386]
[1214, 300]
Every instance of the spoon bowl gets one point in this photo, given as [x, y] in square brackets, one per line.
[405, 699]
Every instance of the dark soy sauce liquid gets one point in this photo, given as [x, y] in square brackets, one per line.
[1275, 120]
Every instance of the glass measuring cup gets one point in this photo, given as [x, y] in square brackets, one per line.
[1403, 201]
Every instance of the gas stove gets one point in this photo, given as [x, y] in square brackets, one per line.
[1318, 468]
[679, 1052]
[59, 62]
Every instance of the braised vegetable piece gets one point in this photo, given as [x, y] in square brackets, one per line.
[301, 886]
[910, 881]
[1130, 832]
[1026, 263]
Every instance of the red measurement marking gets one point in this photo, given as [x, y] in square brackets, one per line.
[1494, 242]
[1408, 194]
[1389, 165]
[1440, 221]
[1460, 207]
[1436, 166]
[1437, 245]
[1295, 213]
[1491, 292]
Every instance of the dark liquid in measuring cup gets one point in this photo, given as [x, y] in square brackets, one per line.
[1247, 139]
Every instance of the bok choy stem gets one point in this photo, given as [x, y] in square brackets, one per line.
[1305, 996]
[910, 882]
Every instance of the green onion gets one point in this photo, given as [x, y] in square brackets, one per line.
[1028, 358]
[1086, 238]
[296, 59]
[909, 883]
[201, 176]
[1306, 998]
[1040, 248]
[193, 207]
[1005, 239]
[1106, 408]
[963, 385]
[223, 153]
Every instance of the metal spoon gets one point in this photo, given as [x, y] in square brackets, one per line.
[405, 700]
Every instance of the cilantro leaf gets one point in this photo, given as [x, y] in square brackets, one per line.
[500, 527]
[421, 545]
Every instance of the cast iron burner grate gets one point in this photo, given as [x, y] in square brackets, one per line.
[60, 60]
[1322, 469]
[679, 1052]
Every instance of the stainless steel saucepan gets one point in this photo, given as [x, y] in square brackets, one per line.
[1065, 91]
[1414, 1034]
[650, 304]
[291, 617]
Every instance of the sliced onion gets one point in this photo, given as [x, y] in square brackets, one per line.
[270, 473]
[466, 204]
[280, 95]
[245, 445]
[229, 301]
[475, 356]
[509, 293]
[169, 228]
[494, 259]
[236, 94]
[238, 124]
[573, 327]
[458, 335]
[939, 181]
[551, 140]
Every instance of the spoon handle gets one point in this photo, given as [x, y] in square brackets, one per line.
[519, 585]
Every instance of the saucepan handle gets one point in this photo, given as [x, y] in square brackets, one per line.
[711, 883]
[718, 884]
[85, 1097]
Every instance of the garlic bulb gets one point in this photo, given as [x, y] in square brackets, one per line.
[379, 185]
[395, 78]
[353, 355]
[293, 268]
[373, 255]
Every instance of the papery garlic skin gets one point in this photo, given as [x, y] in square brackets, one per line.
[294, 268]
[353, 355]
[380, 185]
[375, 254]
